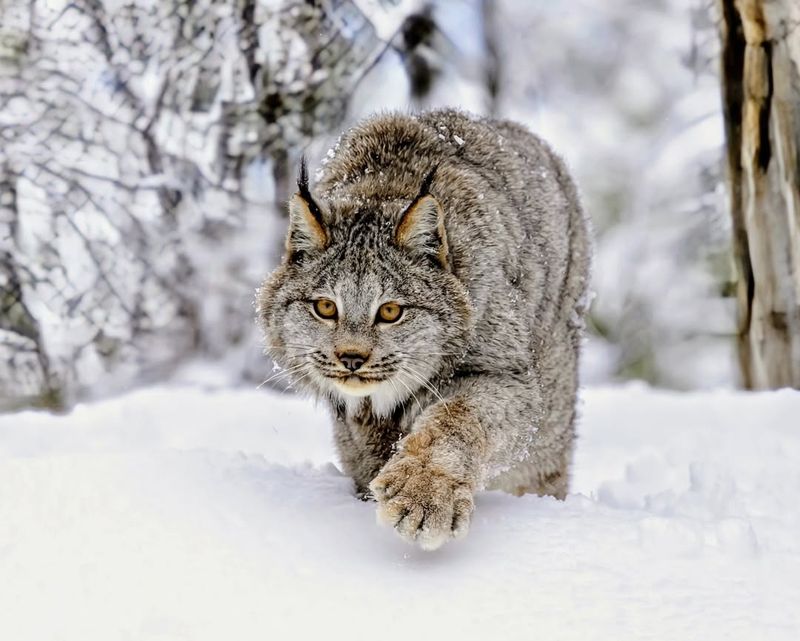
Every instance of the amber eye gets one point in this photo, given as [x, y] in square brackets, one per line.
[389, 313]
[325, 308]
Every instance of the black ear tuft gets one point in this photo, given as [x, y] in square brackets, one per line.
[427, 182]
[307, 231]
[421, 229]
[305, 193]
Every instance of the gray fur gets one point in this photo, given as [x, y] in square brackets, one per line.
[478, 379]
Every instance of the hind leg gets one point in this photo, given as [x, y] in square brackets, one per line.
[543, 478]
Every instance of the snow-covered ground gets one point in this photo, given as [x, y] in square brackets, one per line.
[184, 513]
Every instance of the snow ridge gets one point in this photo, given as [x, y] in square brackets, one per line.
[185, 513]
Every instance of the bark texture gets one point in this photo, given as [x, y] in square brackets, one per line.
[761, 100]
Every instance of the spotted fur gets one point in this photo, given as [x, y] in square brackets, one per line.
[475, 227]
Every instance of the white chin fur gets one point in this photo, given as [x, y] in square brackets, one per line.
[357, 390]
[383, 396]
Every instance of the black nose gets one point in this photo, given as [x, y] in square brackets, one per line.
[352, 361]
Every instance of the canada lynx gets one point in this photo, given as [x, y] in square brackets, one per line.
[433, 290]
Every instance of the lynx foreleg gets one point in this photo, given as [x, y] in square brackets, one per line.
[426, 489]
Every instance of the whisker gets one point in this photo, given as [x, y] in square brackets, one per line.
[282, 372]
[276, 377]
[378, 371]
[410, 391]
[430, 354]
[421, 380]
[418, 359]
[296, 356]
[396, 391]
[301, 354]
[304, 376]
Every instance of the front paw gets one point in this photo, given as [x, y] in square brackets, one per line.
[425, 504]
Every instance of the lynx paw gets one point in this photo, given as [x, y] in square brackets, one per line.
[424, 504]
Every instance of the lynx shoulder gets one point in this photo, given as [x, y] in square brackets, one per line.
[432, 291]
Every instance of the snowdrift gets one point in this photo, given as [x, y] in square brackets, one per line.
[183, 513]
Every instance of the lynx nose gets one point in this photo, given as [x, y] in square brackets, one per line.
[352, 360]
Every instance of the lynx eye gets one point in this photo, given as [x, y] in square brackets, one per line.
[389, 313]
[325, 308]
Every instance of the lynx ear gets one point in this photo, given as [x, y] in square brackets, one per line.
[421, 227]
[306, 227]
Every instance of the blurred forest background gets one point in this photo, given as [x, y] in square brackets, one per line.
[147, 150]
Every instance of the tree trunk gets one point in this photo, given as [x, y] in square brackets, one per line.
[761, 101]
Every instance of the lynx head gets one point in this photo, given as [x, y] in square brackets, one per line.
[364, 302]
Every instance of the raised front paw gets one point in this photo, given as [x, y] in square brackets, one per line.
[425, 504]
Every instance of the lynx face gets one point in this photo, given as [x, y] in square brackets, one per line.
[364, 303]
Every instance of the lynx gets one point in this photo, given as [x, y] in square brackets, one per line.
[432, 292]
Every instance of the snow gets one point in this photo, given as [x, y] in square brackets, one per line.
[186, 512]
